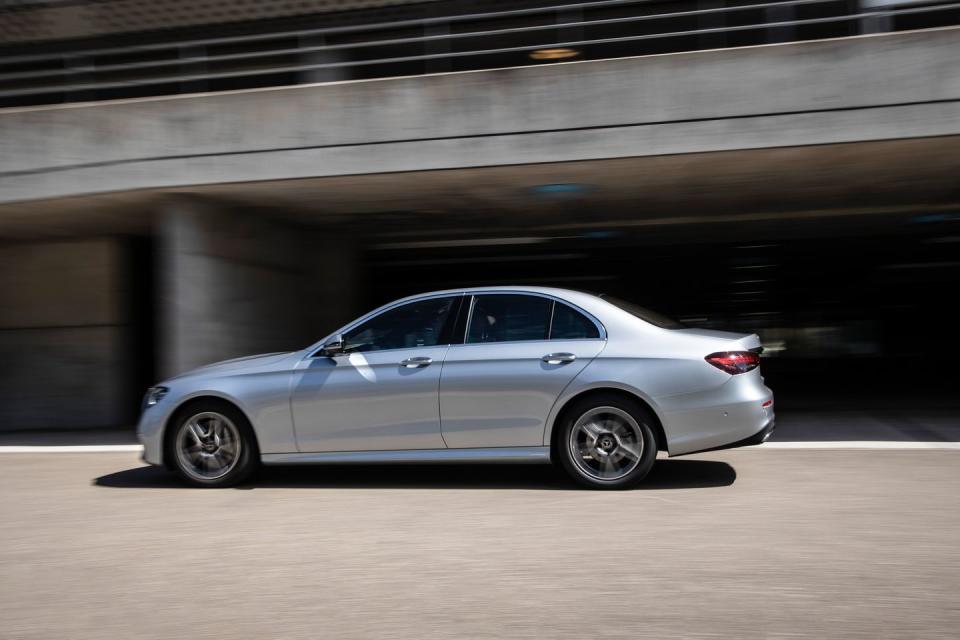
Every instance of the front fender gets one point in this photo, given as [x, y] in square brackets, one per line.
[263, 397]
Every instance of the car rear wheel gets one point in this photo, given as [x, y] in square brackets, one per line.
[213, 446]
[607, 442]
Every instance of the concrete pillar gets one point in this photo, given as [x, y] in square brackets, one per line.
[233, 284]
[65, 336]
[332, 74]
[779, 14]
[331, 283]
[875, 19]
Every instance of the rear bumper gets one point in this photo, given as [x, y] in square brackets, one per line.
[758, 438]
[734, 414]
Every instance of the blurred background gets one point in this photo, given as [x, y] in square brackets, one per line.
[184, 181]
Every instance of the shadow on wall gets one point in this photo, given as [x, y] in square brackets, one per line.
[666, 474]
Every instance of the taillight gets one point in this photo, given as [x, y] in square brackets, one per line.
[734, 362]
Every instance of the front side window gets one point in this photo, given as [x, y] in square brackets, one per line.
[570, 324]
[509, 318]
[416, 324]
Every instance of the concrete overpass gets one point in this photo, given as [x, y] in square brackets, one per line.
[883, 87]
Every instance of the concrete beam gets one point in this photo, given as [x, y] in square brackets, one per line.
[880, 87]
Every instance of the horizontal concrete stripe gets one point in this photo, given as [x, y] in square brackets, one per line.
[908, 121]
[858, 444]
[80, 448]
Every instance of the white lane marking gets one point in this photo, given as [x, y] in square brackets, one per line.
[857, 444]
[80, 448]
[828, 444]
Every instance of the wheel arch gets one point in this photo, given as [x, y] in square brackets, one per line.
[560, 412]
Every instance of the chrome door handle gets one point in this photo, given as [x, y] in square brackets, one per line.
[558, 358]
[416, 363]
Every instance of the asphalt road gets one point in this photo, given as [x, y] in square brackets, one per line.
[760, 543]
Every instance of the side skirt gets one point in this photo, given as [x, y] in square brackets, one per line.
[499, 455]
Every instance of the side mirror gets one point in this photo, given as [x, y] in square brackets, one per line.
[334, 347]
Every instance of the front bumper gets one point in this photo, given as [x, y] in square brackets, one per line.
[150, 434]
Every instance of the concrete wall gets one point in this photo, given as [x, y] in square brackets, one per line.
[234, 284]
[65, 336]
[73, 343]
[878, 87]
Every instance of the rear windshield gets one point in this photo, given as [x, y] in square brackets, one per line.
[646, 315]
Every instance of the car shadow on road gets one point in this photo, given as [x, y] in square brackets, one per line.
[666, 474]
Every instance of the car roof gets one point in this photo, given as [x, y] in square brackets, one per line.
[509, 288]
[568, 294]
[589, 302]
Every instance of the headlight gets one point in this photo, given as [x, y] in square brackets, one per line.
[153, 396]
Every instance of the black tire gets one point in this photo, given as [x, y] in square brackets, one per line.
[608, 409]
[243, 464]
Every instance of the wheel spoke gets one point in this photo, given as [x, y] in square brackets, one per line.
[593, 431]
[196, 431]
[609, 467]
[630, 450]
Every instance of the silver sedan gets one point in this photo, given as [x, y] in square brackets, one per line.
[495, 374]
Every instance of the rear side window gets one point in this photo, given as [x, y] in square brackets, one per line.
[508, 318]
[570, 324]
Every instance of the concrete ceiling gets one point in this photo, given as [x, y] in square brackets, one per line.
[843, 184]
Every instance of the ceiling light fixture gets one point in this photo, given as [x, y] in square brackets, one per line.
[553, 54]
[561, 189]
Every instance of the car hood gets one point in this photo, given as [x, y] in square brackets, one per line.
[234, 364]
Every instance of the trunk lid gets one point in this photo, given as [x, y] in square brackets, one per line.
[738, 341]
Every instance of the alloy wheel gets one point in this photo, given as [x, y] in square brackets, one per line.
[208, 446]
[606, 444]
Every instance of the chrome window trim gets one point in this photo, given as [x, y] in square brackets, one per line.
[553, 310]
[466, 328]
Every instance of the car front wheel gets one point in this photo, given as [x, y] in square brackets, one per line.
[607, 442]
[213, 446]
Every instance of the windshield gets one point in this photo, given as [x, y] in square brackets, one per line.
[646, 315]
